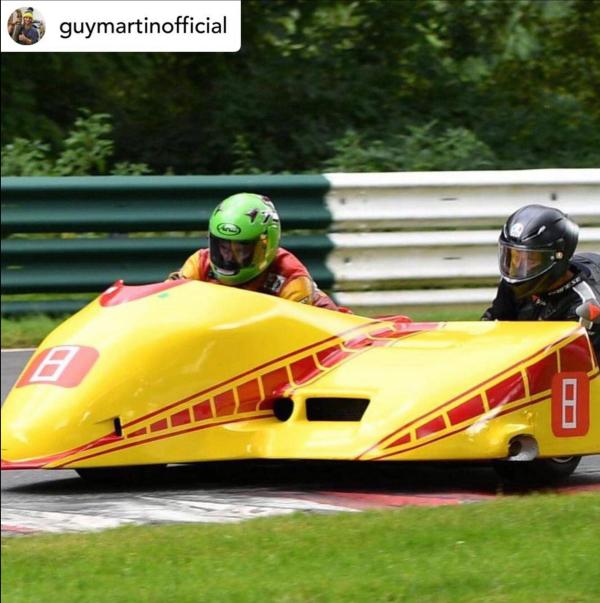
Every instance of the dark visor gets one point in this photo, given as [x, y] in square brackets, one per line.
[523, 264]
[231, 256]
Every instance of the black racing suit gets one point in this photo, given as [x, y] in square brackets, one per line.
[560, 304]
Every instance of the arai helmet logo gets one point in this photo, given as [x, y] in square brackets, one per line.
[228, 229]
[516, 230]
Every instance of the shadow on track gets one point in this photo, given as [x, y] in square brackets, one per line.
[303, 476]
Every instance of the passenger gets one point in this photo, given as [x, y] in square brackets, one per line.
[542, 277]
[244, 252]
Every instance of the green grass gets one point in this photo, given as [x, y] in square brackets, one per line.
[534, 549]
[443, 314]
[29, 331]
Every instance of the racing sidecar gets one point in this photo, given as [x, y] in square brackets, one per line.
[184, 371]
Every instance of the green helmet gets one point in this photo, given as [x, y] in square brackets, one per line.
[243, 236]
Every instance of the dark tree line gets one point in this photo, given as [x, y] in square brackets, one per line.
[339, 85]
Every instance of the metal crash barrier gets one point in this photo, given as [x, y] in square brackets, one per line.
[382, 243]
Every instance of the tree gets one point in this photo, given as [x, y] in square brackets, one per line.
[521, 78]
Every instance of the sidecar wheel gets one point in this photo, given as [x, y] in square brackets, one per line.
[537, 472]
[122, 475]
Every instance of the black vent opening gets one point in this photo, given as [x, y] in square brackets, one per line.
[118, 426]
[283, 408]
[336, 409]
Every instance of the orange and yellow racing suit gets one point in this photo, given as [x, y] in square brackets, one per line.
[286, 277]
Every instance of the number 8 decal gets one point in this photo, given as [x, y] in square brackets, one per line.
[63, 365]
[570, 404]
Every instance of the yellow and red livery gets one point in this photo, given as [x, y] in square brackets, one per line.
[186, 371]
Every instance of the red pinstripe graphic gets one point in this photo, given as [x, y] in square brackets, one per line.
[181, 418]
[39, 462]
[576, 356]
[225, 404]
[267, 404]
[451, 433]
[305, 369]
[159, 437]
[357, 343]
[159, 425]
[433, 426]
[403, 329]
[467, 410]
[540, 374]
[332, 356]
[202, 411]
[249, 372]
[509, 390]
[248, 395]
[387, 332]
[274, 384]
[446, 435]
[507, 411]
[405, 439]
[466, 392]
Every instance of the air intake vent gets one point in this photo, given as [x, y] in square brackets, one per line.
[336, 409]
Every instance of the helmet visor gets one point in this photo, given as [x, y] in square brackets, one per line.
[229, 257]
[518, 264]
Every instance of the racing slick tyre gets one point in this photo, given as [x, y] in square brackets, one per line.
[132, 475]
[537, 472]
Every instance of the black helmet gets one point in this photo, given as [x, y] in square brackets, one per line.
[536, 245]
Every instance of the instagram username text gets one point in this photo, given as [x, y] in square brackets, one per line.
[181, 26]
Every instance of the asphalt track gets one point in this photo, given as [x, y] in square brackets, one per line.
[59, 501]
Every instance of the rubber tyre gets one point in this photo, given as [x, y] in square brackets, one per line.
[133, 475]
[538, 472]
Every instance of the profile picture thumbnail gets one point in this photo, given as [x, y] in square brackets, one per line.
[26, 26]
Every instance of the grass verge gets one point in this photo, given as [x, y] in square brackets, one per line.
[535, 549]
[27, 331]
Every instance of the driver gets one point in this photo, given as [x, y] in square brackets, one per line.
[542, 277]
[243, 236]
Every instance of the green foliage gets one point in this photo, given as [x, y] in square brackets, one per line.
[123, 168]
[26, 158]
[452, 149]
[86, 150]
[244, 157]
[419, 150]
[517, 78]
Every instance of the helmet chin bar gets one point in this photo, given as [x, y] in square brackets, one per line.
[539, 284]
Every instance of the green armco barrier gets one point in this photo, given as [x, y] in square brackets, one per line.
[56, 307]
[111, 207]
[150, 203]
[84, 265]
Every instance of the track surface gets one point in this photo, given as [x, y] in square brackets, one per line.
[59, 501]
